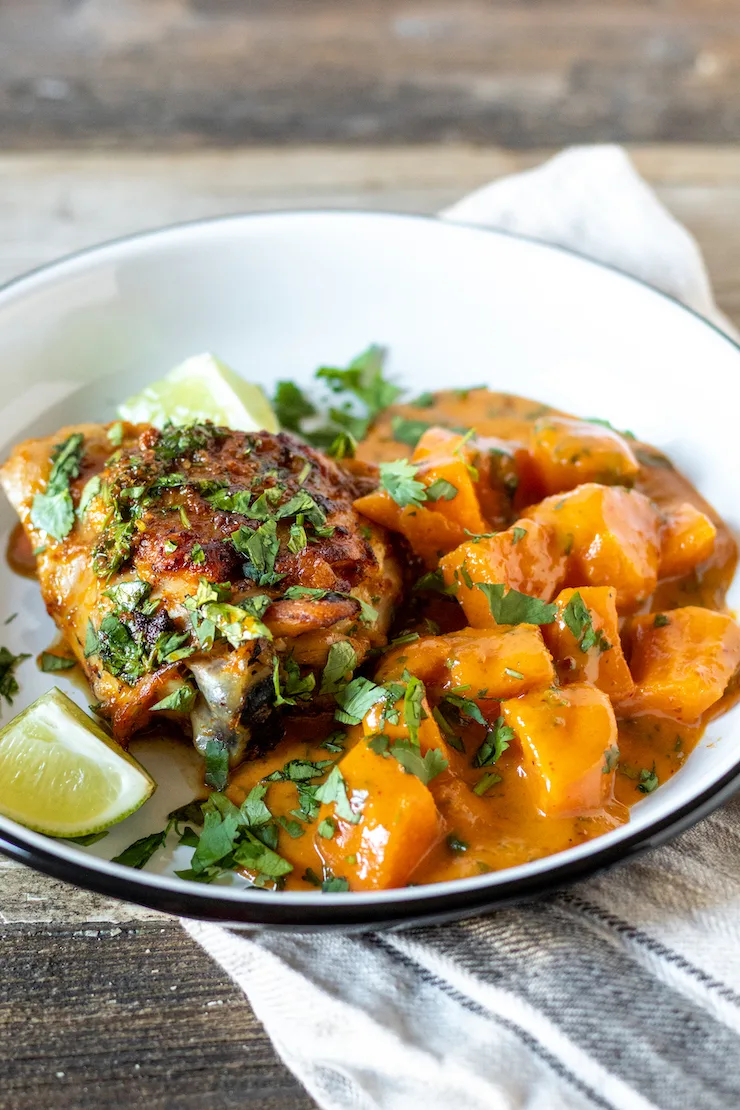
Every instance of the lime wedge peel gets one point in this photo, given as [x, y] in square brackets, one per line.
[199, 389]
[61, 775]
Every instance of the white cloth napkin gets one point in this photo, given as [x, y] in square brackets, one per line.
[622, 993]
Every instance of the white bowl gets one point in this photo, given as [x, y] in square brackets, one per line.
[276, 296]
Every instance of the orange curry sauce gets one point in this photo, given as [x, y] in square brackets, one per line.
[504, 827]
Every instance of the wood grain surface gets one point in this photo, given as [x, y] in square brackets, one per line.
[519, 73]
[103, 1004]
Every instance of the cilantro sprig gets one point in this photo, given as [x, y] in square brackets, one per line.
[53, 510]
[512, 607]
[579, 621]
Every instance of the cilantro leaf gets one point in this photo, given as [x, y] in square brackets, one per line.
[300, 770]
[291, 405]
[341, 662]
[495, 744]
[425, 767]
[180, 700]
[413, 710]
[357, 697]
[261, 548]
[49, 662]
[466, 707]
[335, 790]
[253, 854]
[53, 511]
[334, 884]
[217, 764]
[579, 621]
[296, 687]
[408, 431]
[649, 781]
[128, 596]
[512, 607]
[8, 682]
[363, 378]
[253, 808]
[485, 783]
[442, 490]
[399, 480]
[141, 851]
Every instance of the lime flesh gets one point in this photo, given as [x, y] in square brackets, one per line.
[61, 775]
[199, 389]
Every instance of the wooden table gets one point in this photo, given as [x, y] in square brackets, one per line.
[102, 1003]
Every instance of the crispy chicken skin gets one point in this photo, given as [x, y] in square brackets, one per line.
[210, 529]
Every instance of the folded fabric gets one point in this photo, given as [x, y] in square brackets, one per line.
[621, 993]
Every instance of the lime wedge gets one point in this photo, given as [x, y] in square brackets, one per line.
[202, 388]
[61, 775]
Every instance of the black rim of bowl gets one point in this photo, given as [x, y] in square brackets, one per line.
[428, 904]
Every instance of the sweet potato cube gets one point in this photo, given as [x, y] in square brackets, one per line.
[491, 663]
[429, 533]
[584, 640]
[611, 536]
[569, 452]
[525, 557]
[681, 661]
[398, 823]
[569, 743]
[686, 539]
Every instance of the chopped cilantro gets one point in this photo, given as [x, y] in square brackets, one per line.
[49, 662]
[296, 687]
[53, 511]
[579, 621]
[335, 790]
[141, 851]
[399, 480]
[8, 664]
[441, 490]
[464, 706]
[425, 767]
[90, 491]
[495, 744]
[180, 700]
[424, 401]
[356, 699]
[291, 406]
[661, 620]
[413, 709]
[408, 431]
[169, 547]
[197, 554]
[334, 884]
[340, 663]
[260, 547]
[115, 434]
[512, 607]
[513, 674]
[344, 446]
[518, 534]
[455, 844]
[648, 781]
[327, 828]
[485, 783]
[128, 596]
[611, 758]
[217, 764]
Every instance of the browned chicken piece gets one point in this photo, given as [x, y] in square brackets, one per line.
[202, 574]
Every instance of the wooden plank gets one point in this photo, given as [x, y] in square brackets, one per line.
[133, 1016]
[223, 72]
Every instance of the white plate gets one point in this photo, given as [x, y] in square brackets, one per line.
[277, 295]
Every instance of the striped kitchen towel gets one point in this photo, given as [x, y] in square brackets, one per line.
[621, 993]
